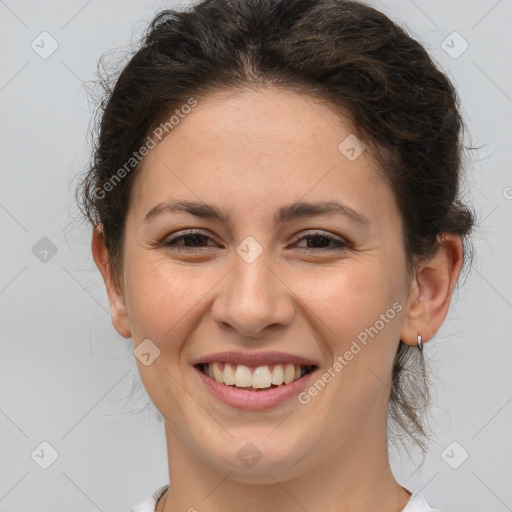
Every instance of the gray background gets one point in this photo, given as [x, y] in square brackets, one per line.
[67, 377]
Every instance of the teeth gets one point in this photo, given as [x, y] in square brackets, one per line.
[217, 374]
[262, 378]
[277, 375]
[289, 373]
[229, 375]
[243, 377]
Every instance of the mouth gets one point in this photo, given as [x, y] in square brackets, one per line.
[254, 379]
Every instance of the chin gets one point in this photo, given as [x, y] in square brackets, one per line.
[250, 459]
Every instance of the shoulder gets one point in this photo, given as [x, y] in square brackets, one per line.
[418, 503]
[149, 504]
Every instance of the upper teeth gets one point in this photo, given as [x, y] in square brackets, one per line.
[262, 377]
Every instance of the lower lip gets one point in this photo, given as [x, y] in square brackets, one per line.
[255, 400]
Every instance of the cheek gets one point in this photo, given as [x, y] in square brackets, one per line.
[162, 298]
[357, 315]
[346, 300]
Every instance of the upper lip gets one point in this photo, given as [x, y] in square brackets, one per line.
[255, 359]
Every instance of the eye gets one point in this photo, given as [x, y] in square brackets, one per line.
[320, 242]
[195, 239]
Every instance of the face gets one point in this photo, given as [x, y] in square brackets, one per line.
[327, 287]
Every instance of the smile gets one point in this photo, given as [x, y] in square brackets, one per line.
[254, 388]
[254, 379]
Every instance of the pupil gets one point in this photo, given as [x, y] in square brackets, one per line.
[195, 239]
[317, 241]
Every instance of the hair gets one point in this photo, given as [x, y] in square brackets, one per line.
[343, 53]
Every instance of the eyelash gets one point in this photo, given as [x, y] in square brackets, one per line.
[171, 242]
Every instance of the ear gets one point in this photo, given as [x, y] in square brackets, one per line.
[115, 294]
[431, 290]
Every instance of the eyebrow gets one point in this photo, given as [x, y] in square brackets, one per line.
[289, 212]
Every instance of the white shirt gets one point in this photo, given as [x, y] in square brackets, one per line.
[416, 503]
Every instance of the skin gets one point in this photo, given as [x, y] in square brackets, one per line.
[249, 153]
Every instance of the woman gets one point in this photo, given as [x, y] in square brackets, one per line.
[274, 196]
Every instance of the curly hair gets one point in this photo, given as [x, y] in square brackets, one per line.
[341, 52]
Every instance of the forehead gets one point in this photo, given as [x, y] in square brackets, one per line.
[252, 147]
[259, 124]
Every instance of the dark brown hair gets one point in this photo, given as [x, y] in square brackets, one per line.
[343, 53]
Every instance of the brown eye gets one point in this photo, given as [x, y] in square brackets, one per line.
[320, 242]
[190, 240]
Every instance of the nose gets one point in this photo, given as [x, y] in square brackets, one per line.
[253, 299]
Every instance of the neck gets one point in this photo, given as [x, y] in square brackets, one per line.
[356, 478]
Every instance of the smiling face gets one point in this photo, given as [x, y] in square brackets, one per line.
[249, 156]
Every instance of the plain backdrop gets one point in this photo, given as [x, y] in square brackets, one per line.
[69, 381]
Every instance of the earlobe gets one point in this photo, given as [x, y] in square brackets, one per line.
[431, 290]
[118, 311]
